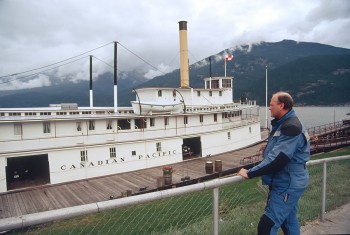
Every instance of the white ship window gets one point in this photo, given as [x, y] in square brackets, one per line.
[152, 122]
[208, 85]
[91, 125]
[166, 121]
[226, 83]
[14, 114]
[220, 93]
[185, 120]
[78, 126]
[198, 93]
[109, 125]
[30, 114]
[215, 117]
[45, 113]
[47, 127]
[159, 93]
[112, 153]
[133, 153]
[73, 113]
[61, 113]
[201, 118]
[215, 84]
[18, 128]
[250, 130]
[159, 146]
[228, 135]
[140, 123]
[83, 156]
[124, 124]
[210, 93]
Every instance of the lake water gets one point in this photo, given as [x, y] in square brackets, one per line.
[313, 116]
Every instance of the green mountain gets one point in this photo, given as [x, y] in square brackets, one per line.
[314, 74]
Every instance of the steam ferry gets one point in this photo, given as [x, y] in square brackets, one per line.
[65, 142]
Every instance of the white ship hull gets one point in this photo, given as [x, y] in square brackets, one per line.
[64, 143]
[56, 157]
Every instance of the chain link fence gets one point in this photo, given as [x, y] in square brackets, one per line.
[240, 206]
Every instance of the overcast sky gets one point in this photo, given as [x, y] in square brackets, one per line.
[38, 33]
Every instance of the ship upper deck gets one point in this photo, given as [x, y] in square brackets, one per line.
[59, 112]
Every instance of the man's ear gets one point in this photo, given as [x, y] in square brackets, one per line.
[282, 105]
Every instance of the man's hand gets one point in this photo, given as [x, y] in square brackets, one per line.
[243, 172]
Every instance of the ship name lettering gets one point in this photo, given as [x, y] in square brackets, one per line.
[92, 164]
[157, 154]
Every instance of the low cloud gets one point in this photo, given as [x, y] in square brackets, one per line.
[161, 70]
[39, 81]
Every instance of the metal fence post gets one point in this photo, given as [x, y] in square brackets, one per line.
[215, 211]
[324, 186]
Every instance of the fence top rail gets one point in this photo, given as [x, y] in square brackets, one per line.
[7, 224]
[330, 159]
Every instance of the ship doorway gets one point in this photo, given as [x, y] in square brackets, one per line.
[191, 148]
[27, 171]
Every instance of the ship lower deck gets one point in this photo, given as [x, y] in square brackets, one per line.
[50, 197]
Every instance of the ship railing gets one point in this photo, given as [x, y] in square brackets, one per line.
[219, 107]
[327, 128]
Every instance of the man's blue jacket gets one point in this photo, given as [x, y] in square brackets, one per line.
[285, 155]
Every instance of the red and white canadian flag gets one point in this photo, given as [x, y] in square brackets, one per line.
[229, 57]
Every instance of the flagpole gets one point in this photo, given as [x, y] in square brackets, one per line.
[267, 123]
[225, 67]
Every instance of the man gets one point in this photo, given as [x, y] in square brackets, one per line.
[282, 168]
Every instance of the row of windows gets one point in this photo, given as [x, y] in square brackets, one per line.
[160, 93]
[57, 113]
[232, 114]
[113, 153]
[18, 128]
[226, 83]
[123, 124]
[103, 112]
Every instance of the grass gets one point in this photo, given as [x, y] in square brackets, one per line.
[240, 207]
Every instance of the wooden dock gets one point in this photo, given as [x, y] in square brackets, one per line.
[50, 197]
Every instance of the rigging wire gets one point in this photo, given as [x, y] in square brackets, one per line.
[68, 59]
[31, 70]
[141, 58]
[104, 62]
[172, 60]
[131, 77]
[195, 59]
[31, 75]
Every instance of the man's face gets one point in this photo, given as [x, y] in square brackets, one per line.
[275, 107]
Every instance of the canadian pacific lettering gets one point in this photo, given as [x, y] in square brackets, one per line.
[114, 161]
[158, 154]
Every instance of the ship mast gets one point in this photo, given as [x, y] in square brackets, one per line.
[91, 92]
[115, 92]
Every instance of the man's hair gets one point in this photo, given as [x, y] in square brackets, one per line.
[286, 99]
